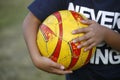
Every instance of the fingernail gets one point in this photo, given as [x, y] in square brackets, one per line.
[62, 67]
[74, 41]
[79, 46]
[73, 32]
[83, 21]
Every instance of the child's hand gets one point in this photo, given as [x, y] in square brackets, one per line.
[50, 66]
[94, 34]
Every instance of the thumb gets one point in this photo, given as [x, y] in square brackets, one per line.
[58, 66]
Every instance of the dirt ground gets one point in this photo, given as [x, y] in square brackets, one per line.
[15, 62]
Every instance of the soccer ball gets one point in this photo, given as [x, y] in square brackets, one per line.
[54, 39]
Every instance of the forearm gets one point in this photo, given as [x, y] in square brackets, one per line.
[30, 27]
[112, 38]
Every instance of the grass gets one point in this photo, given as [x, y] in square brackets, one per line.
[15, 63]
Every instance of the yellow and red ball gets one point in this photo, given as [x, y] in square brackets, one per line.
[54, 39]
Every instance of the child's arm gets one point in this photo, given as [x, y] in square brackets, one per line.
[30, 28]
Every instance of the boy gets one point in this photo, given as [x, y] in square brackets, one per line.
[103, 32]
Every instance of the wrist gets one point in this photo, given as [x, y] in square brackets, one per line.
[107, 35]
[36, 59]
[105, 32]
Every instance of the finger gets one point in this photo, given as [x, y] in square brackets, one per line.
[80, 30]
[57, 66]
[86, 43]
[59, 69]
[87, 21]
[82, 38]
[61, 72]
[90, 47]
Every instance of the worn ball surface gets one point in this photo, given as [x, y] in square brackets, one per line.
[55, 37]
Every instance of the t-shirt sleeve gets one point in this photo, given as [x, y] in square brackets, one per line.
[42, 8]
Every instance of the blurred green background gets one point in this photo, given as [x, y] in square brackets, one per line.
[15, 62]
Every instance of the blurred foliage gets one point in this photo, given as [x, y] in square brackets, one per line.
[15, 62]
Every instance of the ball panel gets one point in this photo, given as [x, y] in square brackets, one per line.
[84, 58]
[68, 26]
[78, 17]
[60, 25]
[52, 22]
[41, 42]
[65, 54]
[56, 52]
[50, 46]
[47, 32]
[75, 54]
[90, 54]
